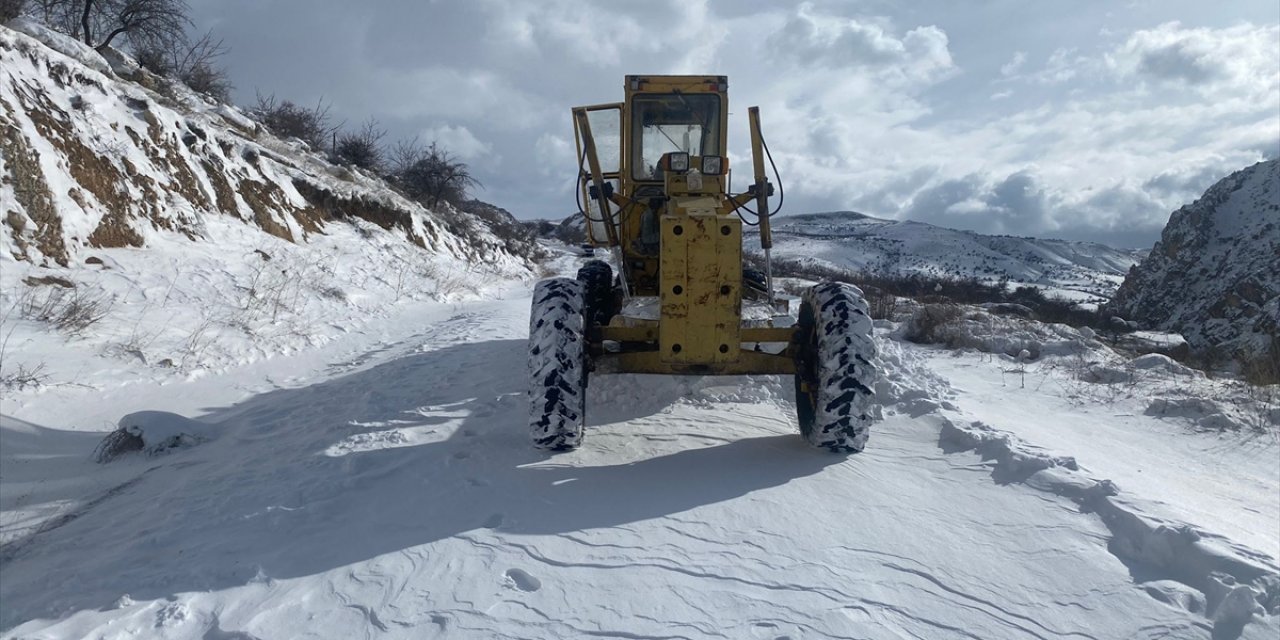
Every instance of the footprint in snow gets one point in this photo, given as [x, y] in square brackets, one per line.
[767, 630]
[522, 581]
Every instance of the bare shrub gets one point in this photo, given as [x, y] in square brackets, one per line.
[70, 310]
[192, 62]
[430, 174]
[362, 148]
[1263, 369]
[116, 444]
[23, 377]
[271, 290]
[927, 325]
[1211, 359]
[883, 305]
[10, 9]
[97, 23]
[288, 120]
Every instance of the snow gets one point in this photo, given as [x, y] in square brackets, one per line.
[161, 430]
[1225, 483]
[383, 484]
[62, 43]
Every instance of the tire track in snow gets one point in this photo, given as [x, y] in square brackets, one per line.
[14, 548]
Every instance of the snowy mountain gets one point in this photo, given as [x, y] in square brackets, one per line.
[849, 240]
[1214, 276]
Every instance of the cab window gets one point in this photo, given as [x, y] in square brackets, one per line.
[672, 122]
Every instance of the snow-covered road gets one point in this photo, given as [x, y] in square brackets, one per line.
[394, 495]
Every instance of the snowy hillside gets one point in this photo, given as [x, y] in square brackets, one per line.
[1214, 276]
[849, 240]
[168, 236]
[96, 161]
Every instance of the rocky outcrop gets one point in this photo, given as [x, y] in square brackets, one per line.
[1214, 276]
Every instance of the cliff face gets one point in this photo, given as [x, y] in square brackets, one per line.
[98, 154]
[1214, 276]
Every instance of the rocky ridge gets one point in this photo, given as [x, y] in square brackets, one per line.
[1214, 276]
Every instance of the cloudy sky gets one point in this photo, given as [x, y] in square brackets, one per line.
[1081, 120]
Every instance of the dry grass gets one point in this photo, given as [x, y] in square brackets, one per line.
[928, 324]
[69, 310]
[116, 444]
[1263, 369]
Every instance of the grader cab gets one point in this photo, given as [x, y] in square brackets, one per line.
[654, 185]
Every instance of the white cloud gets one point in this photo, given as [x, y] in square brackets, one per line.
[921, 55]
[459, 141]
[1063, 65]
[1240, 59]
[1012, 67]
[553, 153]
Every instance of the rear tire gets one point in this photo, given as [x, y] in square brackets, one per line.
[557, 365]
[835, 368]
[596, 277]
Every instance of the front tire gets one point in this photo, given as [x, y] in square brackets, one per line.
[557, 365]
[835, 368]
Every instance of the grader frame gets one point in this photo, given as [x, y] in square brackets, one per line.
[659, 198]
[695, 267]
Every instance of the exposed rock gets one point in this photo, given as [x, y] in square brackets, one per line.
[1214, 276]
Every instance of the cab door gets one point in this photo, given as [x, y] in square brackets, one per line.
[605, 123]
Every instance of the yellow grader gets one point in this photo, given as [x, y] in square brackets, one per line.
[654, 185]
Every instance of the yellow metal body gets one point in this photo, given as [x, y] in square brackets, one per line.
[674, 233]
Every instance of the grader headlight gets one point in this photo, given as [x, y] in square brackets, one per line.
[712, 165]
[678, 161]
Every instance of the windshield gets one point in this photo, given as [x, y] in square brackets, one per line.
[672, 122]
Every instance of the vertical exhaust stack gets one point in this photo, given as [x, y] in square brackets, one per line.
[761, 189]
[600, 191]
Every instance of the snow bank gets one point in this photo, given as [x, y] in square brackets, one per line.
[161, 431]
[62, 43]
[1234, 583]
[969, 328]
[1229, 584]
